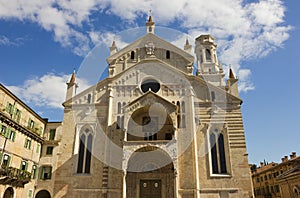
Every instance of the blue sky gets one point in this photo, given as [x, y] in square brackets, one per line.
[41, 42]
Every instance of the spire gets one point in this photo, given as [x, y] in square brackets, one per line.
[150, 25]
[231, 75]
[73, 78]
[113, 49]
[71, 86]
[187, 47]
[187, 41]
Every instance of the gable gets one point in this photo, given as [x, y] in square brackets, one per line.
[147, 47]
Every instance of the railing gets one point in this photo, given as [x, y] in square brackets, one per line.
[14, 176]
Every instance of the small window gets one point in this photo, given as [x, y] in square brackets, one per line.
[132, 55]
[27, 143]
[9, 108]
[213, 96]
[49, 150]
[208, 55]
[167, 54]
[52, 134]
[24, 165]
[89, 99]
[3, 130]
[46, 172]
[12, 136]
[6, 160]
[34, 171]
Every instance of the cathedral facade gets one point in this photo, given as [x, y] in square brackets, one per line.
[152, 128]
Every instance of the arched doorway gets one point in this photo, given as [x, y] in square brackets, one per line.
[43, 194]
[9, 193]
[150, 174]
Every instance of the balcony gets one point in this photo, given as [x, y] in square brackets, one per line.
[14, 176]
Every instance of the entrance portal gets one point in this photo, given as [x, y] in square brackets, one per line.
[150, 174]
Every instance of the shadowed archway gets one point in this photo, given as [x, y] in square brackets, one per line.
[150, 173]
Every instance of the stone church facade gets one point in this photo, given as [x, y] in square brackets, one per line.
[153, 128]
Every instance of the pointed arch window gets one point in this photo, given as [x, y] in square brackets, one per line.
[217, 152]
[85, 151]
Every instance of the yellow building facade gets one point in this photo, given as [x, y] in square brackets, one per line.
[277, 180]
[21, 132]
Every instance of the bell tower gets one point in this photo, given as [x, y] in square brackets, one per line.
[150, 25]
[207, 60]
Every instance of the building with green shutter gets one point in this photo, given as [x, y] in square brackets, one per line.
[21, 132]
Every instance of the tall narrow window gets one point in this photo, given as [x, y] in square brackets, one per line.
[85, 152]
[167, 54]
[132, 55]
[52, 134]
[34, 171]
[183, 107]
[217, 151]
[222, 153]
[208, 55]
[88, 157]
[213, 96]
[119, 107]
[81, 154]
[118, 126]
[89, 99]
[214, 158]
[183, 121]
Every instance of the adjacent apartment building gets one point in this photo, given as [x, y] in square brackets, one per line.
[21, 132]
[277, 180]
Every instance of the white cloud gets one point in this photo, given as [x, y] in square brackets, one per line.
[4, 40]
[48, 90]
[243, 30]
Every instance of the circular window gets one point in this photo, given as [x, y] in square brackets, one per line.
[150, 84]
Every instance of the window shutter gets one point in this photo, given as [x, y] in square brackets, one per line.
[14, 136]
[7, 133]
[7, 107]
[29, 121]
[1, 154]
[41, 130]
[29, 146]
[0, 126]
[26, 166]
[19, 116]
[12, 109]
[8, 160]
[34, 125]
[21, 165]
[15, 113]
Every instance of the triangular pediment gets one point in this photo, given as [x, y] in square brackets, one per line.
[148, 99]
[158, 43]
